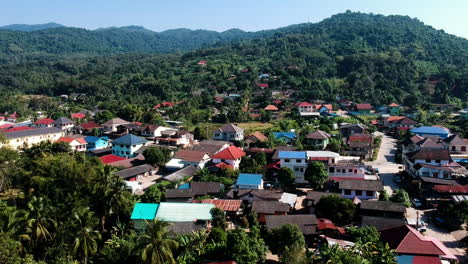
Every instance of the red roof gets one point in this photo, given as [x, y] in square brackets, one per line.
[90, 125]
[20, 128]
[231, 153]
[323, 223]
[274, 165]
[223, 166]
[303, 104]
[450, 188]
[44, 121]
[167, 104]
[202, 62]
[263, 85]
[78, 115]
[6, 126]
[225, 205]
[110, 158]
[363, 106]
[71, 139]
[271, 108]
[277, 102]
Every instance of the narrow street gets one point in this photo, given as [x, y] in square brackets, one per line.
[385, 162]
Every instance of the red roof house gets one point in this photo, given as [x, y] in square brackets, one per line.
[107, 159]
[263, 85]
[363, 107]
[76, 143]
[90, 125]
[44, 122]
[231, 155]
[78, 115]
[271, 108]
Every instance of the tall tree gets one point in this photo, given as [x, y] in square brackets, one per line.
[85, 243]
[157, 244]
[316, 174]
[39, 225]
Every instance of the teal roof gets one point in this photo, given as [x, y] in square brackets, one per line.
[184, 212]
[144, 211]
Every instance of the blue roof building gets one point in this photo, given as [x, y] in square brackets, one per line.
[127, 145]
[96, 142]
[292, 155]
[249, 181]
[287, 137]
[425, 131]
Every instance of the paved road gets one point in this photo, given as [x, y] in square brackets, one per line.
[385, 162]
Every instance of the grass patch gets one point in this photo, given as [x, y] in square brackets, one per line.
[255, 126]
[377, 143]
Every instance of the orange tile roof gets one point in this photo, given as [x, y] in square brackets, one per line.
[271, 108]
[231, 153]
[394, 118]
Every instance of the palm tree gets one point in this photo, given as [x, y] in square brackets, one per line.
[38, 226]
[192, 245]
[113, 197]
[157, 244]
[86, 240]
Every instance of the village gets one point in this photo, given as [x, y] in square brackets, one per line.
[396, 173]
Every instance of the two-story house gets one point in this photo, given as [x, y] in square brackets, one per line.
[229, 132]
[230, 156]
[175, 138]
[184, 158]
[76, 143]
[434, 159]
[127, 145]
[347, 129]
[27, 138]
[362, 189]
[44, 122]
[64, 123]
[318, 139]
[96, 143]
[111, 125]
[296, 161]
[153, 131]
[456, 144]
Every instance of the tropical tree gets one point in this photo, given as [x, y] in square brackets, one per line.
[218, 218]
[401, 196]
[337, 209]
[286, 177]
[285, 238]
[39, 225]
[85, 243]
[157, 156]
[157, 244]
[316, 174]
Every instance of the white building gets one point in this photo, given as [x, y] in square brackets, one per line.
[27, 138]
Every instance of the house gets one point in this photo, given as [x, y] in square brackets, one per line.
[382, 209]
[111, 125]
[381, 223]
[362, 189]
[137, 173]
[175, 138]
[249, 181]
[76, 143]
[456, 144]
[305, 107]
[313, 197]
[359, 144]
[328, 228]
[231, 156]
[426, 131]
[88, 127]
[400, 124]
[307, 223]
[133, 127]
[324, 108]
[409, 244]
[202, 63]
[211, 147]
[78, 115]
[347, 129]
[27, 138]
[192, 190]
[193, 158]
[44, 122]
[127, 145]
[286, 137]
[64, 123]
[296, 161]
[434, 158]
[153, 131]
[345, 168]
[271, 108]
[264, 208]
[254, 139]
[229, 132]
[394, 109]
[110, 158]
[231, 207]
[182, 174]
[198, 213]
[96, 143]
[429, 143]
[318, 139]
[364, 108]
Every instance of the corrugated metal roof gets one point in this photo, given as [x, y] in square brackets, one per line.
[144, 211]
[292, 154]
[249, 179]
[184, 212]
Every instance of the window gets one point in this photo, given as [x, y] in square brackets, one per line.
[437, 161]
[463, 149]
[286, 160]
[350, 170]
[298, 161]
[347, 192]
[428, 161]
[454, 148]
[358, 192]
[302, 169]
[370, 193]
[296, 169]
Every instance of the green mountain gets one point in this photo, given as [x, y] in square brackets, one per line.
[363, 57]
[30, 28]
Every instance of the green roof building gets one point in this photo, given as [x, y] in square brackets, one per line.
[143, 212]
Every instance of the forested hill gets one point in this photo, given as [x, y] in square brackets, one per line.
[30, 28]
[352, 32]
[362, 57]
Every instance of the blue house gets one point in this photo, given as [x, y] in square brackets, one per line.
[249, 181]
[426, 131]
[127, 145]
[286, 137]
[96, 143]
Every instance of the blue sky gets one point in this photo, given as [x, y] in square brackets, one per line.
[219, 15]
